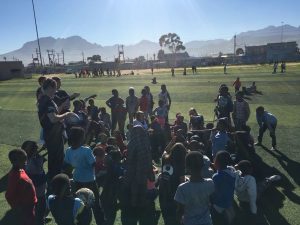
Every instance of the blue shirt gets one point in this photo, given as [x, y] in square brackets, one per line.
[266, 118]
[219, 142]
[224, 181]
[82, 160]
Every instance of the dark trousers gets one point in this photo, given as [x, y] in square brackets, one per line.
[139, 215]
[218, 218]
[54, 143]
[97, 208]
[168, 212]
[40, 210]
[272, 133]
[118, 118]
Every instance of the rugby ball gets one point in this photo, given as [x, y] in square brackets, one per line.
[72, 119]
[86, 195]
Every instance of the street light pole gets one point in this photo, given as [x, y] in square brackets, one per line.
[281, 31]
[37, 33]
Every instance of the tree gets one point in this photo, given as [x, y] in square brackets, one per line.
[172, 42]
[160, 55]
[239, 51]
[94, 58]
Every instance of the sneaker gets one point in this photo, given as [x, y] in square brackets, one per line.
[273, 148]
[257, 144]
[273, 178]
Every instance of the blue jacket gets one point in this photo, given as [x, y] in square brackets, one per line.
[266, 118]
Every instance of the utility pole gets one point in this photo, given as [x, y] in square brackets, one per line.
[234, 47]
[57, 58]
[282, 31]
[63, 56]
[37, 33]
[82, 53]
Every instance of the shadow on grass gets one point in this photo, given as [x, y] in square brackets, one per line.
[271, 201]
[3, 183]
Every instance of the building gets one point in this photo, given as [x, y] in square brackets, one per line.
[11, 69]
[271, 52]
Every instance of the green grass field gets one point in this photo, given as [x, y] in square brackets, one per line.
[281, 96]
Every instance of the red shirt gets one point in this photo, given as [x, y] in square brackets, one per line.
[20, 190]
[144, 103]
[237, 84]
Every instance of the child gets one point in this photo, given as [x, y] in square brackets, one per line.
[237, 84]
[173, 174]
[220, 138]
[132, 104]
[140, 120]
[161, 113]
[245, 189]
[35, 171]
[100, 168]
[92, 110]
[165, 97]
[224, 180]
[193, 196]
[20, 193]
[65, 208]
[83, 161]
[224, 103]
[266, 121]
[241, 111]
[143, 103]
[105, 118]
[196, 120]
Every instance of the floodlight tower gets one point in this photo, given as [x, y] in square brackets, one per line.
[121, 53]
[37, 33]
[234, 47]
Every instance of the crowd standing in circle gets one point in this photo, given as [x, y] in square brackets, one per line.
[193, 169]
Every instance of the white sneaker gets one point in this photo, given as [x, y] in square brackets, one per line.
[273, 178]
[273, 149]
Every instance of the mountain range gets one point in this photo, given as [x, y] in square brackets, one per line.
[76, 48]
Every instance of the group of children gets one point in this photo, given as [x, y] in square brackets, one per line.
[201, 166]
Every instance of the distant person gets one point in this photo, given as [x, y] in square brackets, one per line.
[173, 72]
[144, 103]
[194, 69]
[154, 80]
[152, 70]
[266, 121]
[283, 67]
[225, 68]
[184, 71]
[193, 196]
[150, 99]
[20, 194]
[104, 117]
[275, 66]
[237, 84]
[132, 104]
[92, 110]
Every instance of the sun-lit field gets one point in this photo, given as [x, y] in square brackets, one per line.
[281, 96]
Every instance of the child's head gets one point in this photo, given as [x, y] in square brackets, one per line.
[209, 126]
[140, 116]
[245, 167]
[116, 155]
[61, 185]
[260, 110]
[221, 125]
[177, 154]
[103, 110]
[147, 88]
[18, 158]
[76, 137]
[194, 162]
[99, 152]
[77, 105]
[196, 146]
[222, 160]
[237, 78]
[163, 87]
[91, 102]
[103, 138]
[143, 92]
[131, 91]
[160, 103]
[41, 80]
[239, 96]
[30, 147]
[180, 118]
[193, 112]
[112, 141]
[115, 92]
[58, 81]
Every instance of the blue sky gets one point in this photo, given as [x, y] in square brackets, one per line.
[108, 22]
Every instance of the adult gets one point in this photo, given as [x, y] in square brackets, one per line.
[165, 97]
[51, 122]
[136, 205]
[150, 99]
[118, 111]
[132, 104]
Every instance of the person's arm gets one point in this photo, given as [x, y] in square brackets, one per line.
[247, 111]
[54, 118]
[252, 192]
[108, 103]
[10, 194]
[169, 98]
[179, 212]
